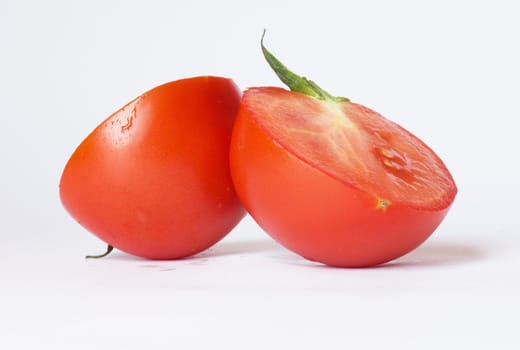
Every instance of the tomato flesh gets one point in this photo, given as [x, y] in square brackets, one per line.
[153, 179]
[335, 182]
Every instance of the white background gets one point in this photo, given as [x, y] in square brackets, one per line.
[446, 70]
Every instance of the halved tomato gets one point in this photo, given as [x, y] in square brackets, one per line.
[333, 180]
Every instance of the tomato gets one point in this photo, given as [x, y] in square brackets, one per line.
[332, 180]
[153, 179]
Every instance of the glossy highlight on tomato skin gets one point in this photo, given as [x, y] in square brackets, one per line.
[313, 213]
[153, 179]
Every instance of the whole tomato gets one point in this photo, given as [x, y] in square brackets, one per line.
[153, 179]
[332, 180]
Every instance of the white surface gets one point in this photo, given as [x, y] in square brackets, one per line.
[448, 71]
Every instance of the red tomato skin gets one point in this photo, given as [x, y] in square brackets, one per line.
[153, 179]
[314, 214]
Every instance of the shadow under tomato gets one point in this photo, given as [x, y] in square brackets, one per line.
[441, 253]
[430, 254]
[218, 250]
[238, 248]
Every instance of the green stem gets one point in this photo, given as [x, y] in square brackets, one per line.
[294, 81]
[109, 249]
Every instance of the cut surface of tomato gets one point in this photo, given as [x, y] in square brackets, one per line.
[355, 145]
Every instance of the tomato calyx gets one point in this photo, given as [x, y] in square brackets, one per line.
[109, 250]
[296, 82]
